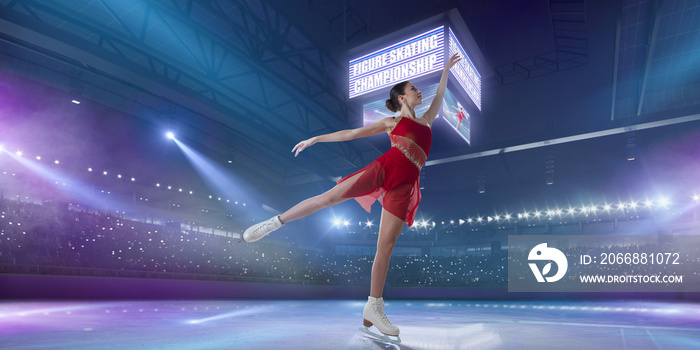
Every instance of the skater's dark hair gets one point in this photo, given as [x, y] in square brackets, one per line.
[393, 103]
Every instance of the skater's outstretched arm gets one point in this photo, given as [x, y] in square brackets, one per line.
[432, 112]
[384, 124]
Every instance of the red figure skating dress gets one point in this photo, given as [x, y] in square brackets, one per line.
[393, 178]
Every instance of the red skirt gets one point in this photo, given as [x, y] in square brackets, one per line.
[392, 180]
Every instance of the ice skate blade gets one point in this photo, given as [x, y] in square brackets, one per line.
[381, 337]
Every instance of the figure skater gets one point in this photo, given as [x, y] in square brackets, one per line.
[392, 179]
[460, 116]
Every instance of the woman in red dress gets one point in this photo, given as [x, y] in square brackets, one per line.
[392, 179]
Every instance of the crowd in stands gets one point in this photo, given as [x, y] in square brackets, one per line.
[48, 239]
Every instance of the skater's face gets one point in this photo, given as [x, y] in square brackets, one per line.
[411, 96]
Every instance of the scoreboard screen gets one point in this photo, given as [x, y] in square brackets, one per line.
[408, 59]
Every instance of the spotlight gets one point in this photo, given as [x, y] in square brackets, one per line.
[696, 198]
[55, 161]
[663, 201]
[38, 157]
[133, 179]
[369, 223]
[346, 223]
[336, 222]
[170, 135]
[19, 153]
[90, 169]
[76, 102]
[2, 148]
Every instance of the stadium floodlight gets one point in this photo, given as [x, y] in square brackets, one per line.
[170, 135]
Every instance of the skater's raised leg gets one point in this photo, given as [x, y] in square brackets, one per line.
[302, 209]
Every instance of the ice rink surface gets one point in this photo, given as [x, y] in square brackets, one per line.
[333, 324]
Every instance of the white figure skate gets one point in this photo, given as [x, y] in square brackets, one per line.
[262, 229]
[373, 314]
